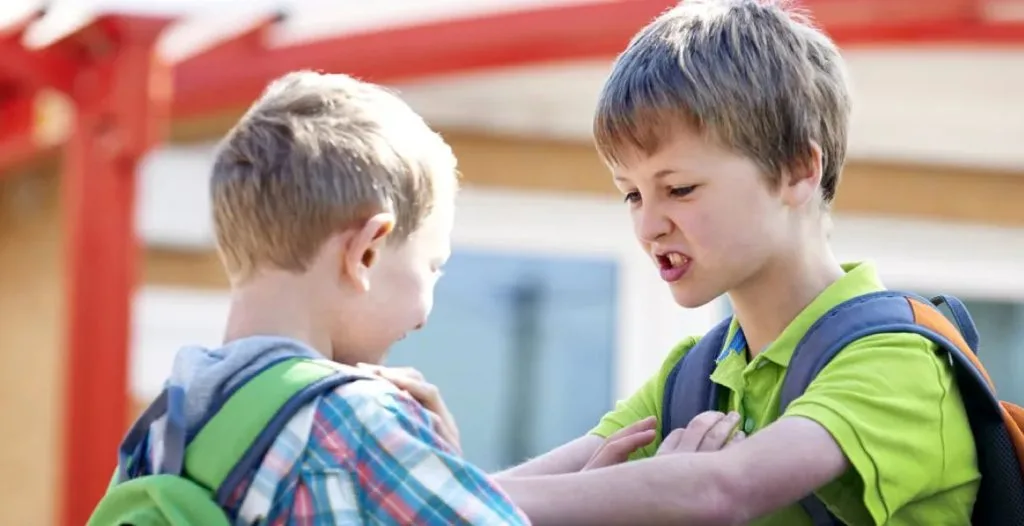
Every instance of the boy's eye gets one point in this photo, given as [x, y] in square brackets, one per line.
[631, 197]
[682, 191]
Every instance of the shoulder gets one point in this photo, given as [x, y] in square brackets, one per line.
[406, 471]
[654, 389]
[908, 368]
[890, 354]
[888, 378]
[675, 356]
[368, 399]
[892, 404]
[360, 415]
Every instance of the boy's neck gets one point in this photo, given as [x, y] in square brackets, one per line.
[276, 304]
[772, 299]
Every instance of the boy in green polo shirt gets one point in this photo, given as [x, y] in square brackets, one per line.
[725, 126]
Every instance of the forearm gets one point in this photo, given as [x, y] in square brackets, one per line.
[540, 466]
[568, 458]
[671, 489]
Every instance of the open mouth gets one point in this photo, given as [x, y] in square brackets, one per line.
[672, 266]
[672, 260]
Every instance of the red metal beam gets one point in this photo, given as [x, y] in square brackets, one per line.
[36, 69]
[547, 34]
[964, 35]
[234, 72]
[22, 74]
[252, 40]
[31, 68]
[15, 30]
[123, 96]
[450, 46]
[17, 144]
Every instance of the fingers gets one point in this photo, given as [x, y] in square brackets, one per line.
[407, 379]
[717, 435]
[708, 431]
[406, 372]
[423, 391]
[671, 442]
[737, 437]
[647, 424]
[617, 447]
[691, 437]
[632, 437]
[427, 394]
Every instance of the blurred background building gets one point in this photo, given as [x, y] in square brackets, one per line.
[548, 313]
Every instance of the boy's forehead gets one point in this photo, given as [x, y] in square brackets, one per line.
[674, 152]
[684, 151]
[655, 138]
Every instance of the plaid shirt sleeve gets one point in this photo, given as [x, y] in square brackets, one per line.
[372, 457]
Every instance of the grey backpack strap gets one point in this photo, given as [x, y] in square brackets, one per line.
[875, 313]
[961, 318]
[689, 390]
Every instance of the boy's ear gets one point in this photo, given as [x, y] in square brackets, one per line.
[363, 249]
[802, 180]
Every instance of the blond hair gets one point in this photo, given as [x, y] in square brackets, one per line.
[315, 154]
[753, 75]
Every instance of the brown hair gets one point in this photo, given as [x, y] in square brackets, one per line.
[317, 153]
[757, 77]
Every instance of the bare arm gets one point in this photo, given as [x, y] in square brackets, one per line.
[766, 472]
[567, 458]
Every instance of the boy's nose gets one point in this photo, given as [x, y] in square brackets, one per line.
[651, 224]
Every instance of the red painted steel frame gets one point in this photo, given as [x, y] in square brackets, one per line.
[231, 75]
[548, 34]
[21, 75]
[17, 144]
[122, 94]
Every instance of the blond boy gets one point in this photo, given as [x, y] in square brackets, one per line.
[333, 206]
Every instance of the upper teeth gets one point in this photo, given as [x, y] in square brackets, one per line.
[675, 259]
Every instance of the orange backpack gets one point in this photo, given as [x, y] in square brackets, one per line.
[998, 426]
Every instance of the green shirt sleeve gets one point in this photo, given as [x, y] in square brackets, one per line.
[645, 402]
[892, 404]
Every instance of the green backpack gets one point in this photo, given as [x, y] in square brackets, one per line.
[195, 478]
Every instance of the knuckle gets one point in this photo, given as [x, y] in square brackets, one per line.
[705, 420]
[413, 373]
[716, 434]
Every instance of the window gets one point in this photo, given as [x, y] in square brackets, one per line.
[522, 348]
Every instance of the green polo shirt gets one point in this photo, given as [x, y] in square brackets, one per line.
[889, 400]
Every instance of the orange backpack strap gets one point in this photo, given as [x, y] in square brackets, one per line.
[998, 426]
[1012, 414]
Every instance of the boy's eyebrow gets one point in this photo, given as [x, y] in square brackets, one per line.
[657, 175]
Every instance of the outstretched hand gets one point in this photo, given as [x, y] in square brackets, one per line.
[708, 431]
[617, 447]
[427, 394]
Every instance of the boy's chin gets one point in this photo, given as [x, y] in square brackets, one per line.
[349, 355]
[691, 297]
